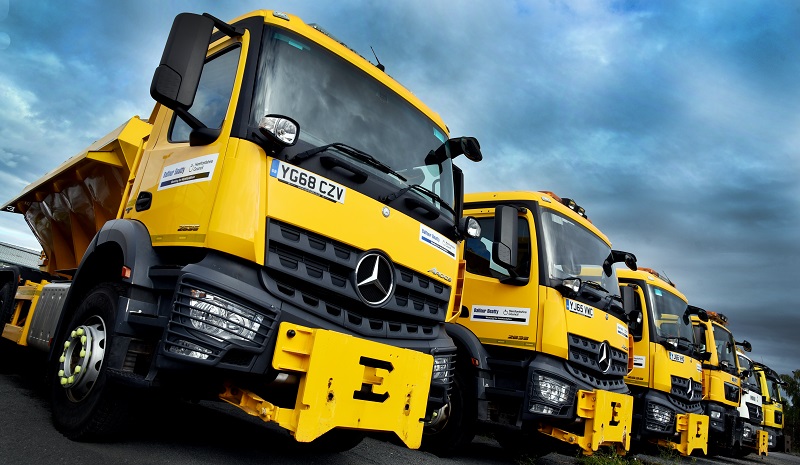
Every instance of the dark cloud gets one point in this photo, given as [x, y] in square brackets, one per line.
[674, 124]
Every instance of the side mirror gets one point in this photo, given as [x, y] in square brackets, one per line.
[692, 310]
[280, 131]
[617, 256]
[506, 234]
[745, 345]
[744, 374]
[175, 81]
[467, 146]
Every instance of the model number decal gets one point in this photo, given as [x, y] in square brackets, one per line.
[676, 357]
[579, 308]
[308, 181]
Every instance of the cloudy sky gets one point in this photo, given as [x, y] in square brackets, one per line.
[675, 124]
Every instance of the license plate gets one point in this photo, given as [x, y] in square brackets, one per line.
[579, 308]
[308, 181]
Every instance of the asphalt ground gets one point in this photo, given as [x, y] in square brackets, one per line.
[214, 433]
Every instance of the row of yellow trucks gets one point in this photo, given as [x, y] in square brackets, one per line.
[287, 232]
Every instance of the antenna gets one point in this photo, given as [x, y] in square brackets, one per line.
[379, 65]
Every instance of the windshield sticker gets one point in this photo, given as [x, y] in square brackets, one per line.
[439, 135]
[639, 361]
[676, 357]
[579, 308]
[622, 330]
[437, 241]
[658, 292]
[307, 181]
[507, 315]
[200, 169]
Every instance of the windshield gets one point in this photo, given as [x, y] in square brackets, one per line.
[335, 102]
[774, 390]
[667, 313]
[752, 380]
[574, 251]
[726, 348]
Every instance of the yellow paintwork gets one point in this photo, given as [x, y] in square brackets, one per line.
[549, 321]
[770, 405]
[762, 442]
[17, 329]
[548, 325]
[609, 426]
[714, 380]
[229, 213]
[693, 429]
[329, 365]
[659, 368]
[68, 205]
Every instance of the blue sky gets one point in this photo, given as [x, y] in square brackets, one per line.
[673, 123]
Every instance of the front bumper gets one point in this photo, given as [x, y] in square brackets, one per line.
[345, 382]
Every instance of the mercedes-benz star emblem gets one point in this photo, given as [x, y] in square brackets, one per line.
[604, 358]
[374, 279]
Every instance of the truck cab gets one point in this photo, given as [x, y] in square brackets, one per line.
[751, 412]
[666, 380]
[721, 383]
[283, 229]
[772, 404]
[542, 336]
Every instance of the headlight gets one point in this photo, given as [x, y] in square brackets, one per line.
[747, 431]
[715, 415]
[551, 389]
[440, 367]
[221, 318]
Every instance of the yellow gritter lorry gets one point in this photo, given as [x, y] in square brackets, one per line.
[722, 384]
[667, 376]
[281, 233]
[542, 336]
[770, 383]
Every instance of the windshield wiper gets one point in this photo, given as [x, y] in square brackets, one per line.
[353, 152]
[422, 189]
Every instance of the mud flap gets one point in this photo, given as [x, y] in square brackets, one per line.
[345, 382]
[693, 429]
[608, 418]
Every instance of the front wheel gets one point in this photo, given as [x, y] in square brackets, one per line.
[86, 404]
[459, 428]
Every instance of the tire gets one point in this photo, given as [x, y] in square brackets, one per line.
[460, 426]
[335, 441]
[86, 404]
[6, 303]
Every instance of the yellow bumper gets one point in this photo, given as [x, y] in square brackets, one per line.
[693, 429]
[762, 442]
[608, 417]
[345, 382]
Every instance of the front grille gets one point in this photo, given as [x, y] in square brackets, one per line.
[755, 412]
[584, 354]
[201, 313]
[680, 389]
[314, 273]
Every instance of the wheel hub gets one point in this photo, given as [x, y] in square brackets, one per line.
[80, 362]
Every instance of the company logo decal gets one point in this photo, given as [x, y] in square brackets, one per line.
[374, 279]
